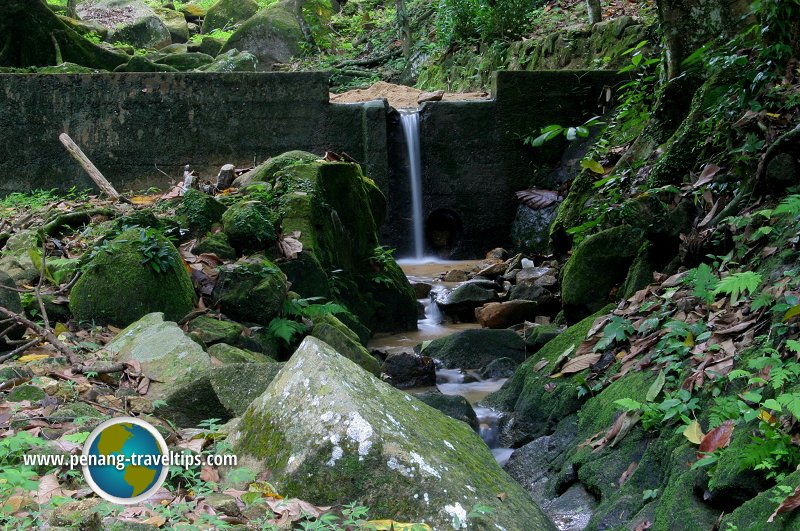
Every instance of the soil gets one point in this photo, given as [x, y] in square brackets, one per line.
[399, 96]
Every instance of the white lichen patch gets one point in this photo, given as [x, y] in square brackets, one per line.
[360, 431]
[447, 443]
[327, 416]
[423, 466]
[395, 465]
[458, 514]
[336, 454]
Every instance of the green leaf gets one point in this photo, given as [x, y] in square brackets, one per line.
[793, 345]
[656, 387]
[628, 404]
[705, 282]
[592, 165]
[791, 401]
[737, 284]
[772, 404]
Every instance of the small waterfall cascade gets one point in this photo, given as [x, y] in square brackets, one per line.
[410, 122]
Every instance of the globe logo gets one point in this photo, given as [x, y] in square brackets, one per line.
[125, 460]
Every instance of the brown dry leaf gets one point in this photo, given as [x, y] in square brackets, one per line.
[293, 509]
[628, 473]
[707, 175]
[735, 329]
[537, 198]
[209, 474]
[144, 200]
[598, 325]
[541, 364]
[580, 363]
[155, 520]
[644, 526]
[789, 504]
[48, 487]
[195, 445]
[719, 437]
[290, 246]
[674, 280]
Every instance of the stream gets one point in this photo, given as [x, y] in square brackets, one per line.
[449, 381]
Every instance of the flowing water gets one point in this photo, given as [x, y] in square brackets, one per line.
[449, 381]
[409, 119]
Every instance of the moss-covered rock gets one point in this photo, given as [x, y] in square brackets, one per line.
[215, 243]
[454, 406]
[120, 284]
[16, 257]
[200, 210]
[232, 61]
[228, 13]
[238, 384]
[148, 32]
[333, 332]
[273, 35]
[10, 300]
[207, 45]
[598, 265]
[538, 408]
[30, 393]
[226, 354]
[190, 403]
[251, 291]
[210, 331]
[175, 23]
[306, 276]
[184, 62]
[753, 514]
[140, 63]
[266, 171]
[331, 432]
[249, 226]
[475, 349]
[166, 355]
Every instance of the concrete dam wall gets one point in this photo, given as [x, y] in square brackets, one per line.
[138, 127]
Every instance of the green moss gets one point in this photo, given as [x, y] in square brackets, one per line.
[267, 171]
[537, 410]
[306, 276]
[753, 514]
[215, 243]
[229, 354]
[332, 331]
[251, 291]
[209, 330]
[30, 393]
[118, 286]
[596, 267]
[729, 480]
[249, 226]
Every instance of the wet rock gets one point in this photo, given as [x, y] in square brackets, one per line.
[499, 368]
[530, 232]
[421, 289]
[333, 332]
[251, 291]
[406, 369]
[238, 384]
[460, 303]
[455, 275]
[506, 314]
[249, 226]
[228, 13]
[475, 349]
[547, 281]
[511, 276]
[322, 422]
[121, 284]
[454, 406]
[598, 264]
[230, 61]
[493, 271]
[215, 243]
[148, 32]
[273, 35]
[166, 355]
[229, 354]
[209, 331]
[528, 291]
[534, 273]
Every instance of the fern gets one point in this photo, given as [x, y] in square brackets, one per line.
[791, 401]
[737, 284]
[790, 206]
[285, 329]
[705, 283]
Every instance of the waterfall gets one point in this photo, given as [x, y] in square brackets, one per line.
[410, 122]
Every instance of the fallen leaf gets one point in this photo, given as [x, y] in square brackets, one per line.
[789, 504]
[48, 487]
[537, 198]
[707, 175]
[391, 525]
[541, 364]
[693, 432]
[719, 437]
[209, 474]
[155, 520]
[628, 472]
[32, 357]
[656, 387]
[580, 363]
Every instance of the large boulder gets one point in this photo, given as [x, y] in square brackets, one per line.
[332, 433]
[238, 384]
[598, 265]
[273, 35]
[232, 61]
[16, 258]
[122, 283]
[475, 349]
[266, 171]
[227, 13]
[407, 369]
[146, 32]
[184, 62]
[166, 356]
[461, 302]
[249, 226]
[454, 406]
[306, 276]
[251, 290]
[175, 23]
[506, 314]
[333, 332]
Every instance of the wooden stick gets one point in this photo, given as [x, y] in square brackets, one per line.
[90, 168]
[46, 335]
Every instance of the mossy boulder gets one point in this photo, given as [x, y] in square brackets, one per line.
[599, 264]
[306, 276]
[140, 63]
[31, 393]
[454, 406]
[192, 402]
[238, 384]
[200, 210]
[209, 331]
[333, 332]
[266, 171]
[215, 243]
[227, 13]
[537, 408]
[167, 356]
[227, 354]
[148, 32]
[251, 290]
[16, 257]
[207, 45]
[232, 61]
[184, 62]
[273, 35]
[120, 285]
[753, 514]
[475, 349]
[249, 226]
[331, 432]
[175, 23]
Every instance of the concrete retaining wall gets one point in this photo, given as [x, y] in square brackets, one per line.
[136, 126]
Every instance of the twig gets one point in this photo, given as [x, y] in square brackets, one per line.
[42, 333]
[82, 369]
[19, 350]
[774, 149]
[70, 218]
[71, 283]
[38, 290]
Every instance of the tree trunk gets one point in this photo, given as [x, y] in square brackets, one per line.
[404, 27]
[690, 24]
[593, 7]
[308, 35]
